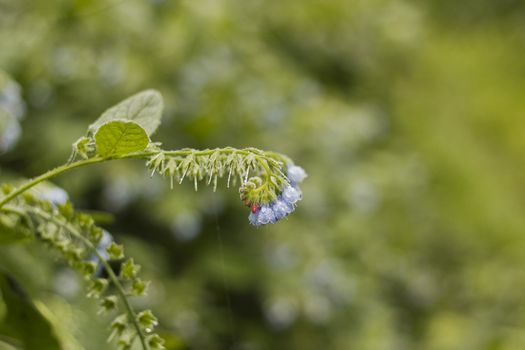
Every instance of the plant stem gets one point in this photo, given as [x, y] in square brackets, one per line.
[51, 173]
[265, 158]
[107, 267]
[141, 155]
[61, 169]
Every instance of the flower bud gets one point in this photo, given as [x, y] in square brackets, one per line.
[266, 216]
[291, 194]
[281, 209]
[296, 174]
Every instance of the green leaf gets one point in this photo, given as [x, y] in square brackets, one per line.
[119, 138]
[144, 108]
[26, 320]
[6, 346]
[95, 234]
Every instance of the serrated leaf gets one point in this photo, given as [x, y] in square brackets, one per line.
[144, 108]
[119, 138]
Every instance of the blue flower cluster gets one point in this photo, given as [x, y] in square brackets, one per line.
[285, 202]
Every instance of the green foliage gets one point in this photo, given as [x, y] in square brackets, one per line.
[408, 116]
[115, 251]
[155, 342]
[129, 269]
[147, 319]
[109, 303]
[25, 323]
[72, 236]
[139, 287]
[118, 138]
[122, 129]
[75, 235]
[144, 108]
[12, 231]
[97, 287]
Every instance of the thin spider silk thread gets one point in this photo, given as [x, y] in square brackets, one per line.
[224, 281]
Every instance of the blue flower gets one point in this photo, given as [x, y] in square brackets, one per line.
[266, 216]
[281, 208]
[285, 203]
[296, 174]
[292, 194]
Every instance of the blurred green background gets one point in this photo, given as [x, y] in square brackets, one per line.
[407, 115]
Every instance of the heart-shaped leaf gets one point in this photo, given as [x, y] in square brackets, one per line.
[144, 108]
[120, 137]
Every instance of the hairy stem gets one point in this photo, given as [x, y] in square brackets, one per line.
[138, 155]
[120, 289]
[51, 173]
[267, 161]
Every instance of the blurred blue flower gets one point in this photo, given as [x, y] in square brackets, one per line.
[285, 202]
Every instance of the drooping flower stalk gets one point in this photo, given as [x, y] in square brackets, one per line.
[268, 185]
